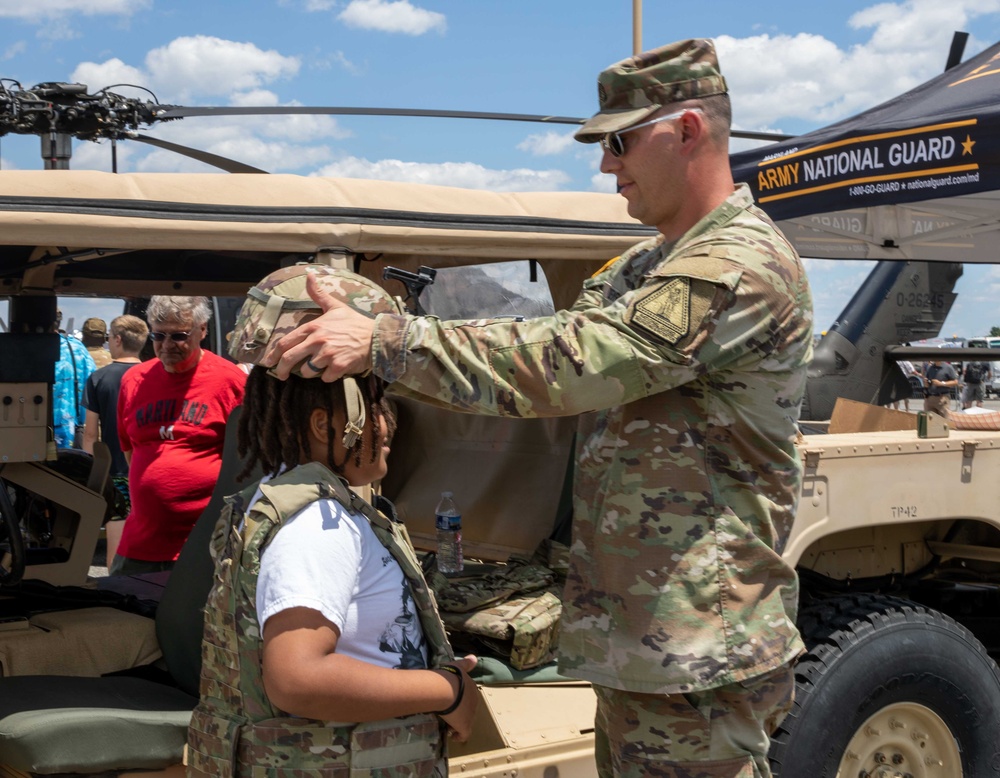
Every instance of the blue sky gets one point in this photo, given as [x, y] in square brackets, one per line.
[792, 67]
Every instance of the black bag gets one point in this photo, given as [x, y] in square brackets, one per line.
[974, 373]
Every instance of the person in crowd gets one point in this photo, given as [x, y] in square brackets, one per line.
[72, 371]
[940, 381]
[338, 658]
[172, 414]
[976, 375]
[100, 398]
[909, 370]
[685, 360]
[95, 336]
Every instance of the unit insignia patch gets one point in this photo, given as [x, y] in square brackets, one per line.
[665, 311]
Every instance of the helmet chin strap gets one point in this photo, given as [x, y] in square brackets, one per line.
[355, 405]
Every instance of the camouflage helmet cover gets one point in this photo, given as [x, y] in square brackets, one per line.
[280, 303]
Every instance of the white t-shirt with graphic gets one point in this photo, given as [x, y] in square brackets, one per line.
[329, 559]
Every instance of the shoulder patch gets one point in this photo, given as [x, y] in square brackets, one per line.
[664, 311]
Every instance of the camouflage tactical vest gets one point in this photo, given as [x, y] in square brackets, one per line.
[235, 731]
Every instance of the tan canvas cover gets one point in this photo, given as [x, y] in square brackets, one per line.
[294, 213]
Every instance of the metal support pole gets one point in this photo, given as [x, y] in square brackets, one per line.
[636, 26]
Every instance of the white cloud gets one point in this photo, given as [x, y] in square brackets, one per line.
[13, 50]
[601, 182]
[833, 283]
[808, 77]
[196, 65]
[341, 59]
[39, 10]
[547, 144]
[398, 16]
[187, 71]
[270, 156]
[462, 174]
[97, 156]
[328, 60]
[212, 66]
[271, 143]
[113, 71]
[986, 288]
[897, 25]
[296, 127]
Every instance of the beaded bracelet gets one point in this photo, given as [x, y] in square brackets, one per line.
[461, 690]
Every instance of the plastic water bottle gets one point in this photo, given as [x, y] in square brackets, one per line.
[449, 535]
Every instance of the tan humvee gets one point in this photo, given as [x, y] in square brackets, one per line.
[85, 233]
[897, 538]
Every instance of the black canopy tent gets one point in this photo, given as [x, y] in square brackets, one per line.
[913, 180]
[917, 177]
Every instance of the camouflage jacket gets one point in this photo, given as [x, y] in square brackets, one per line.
[686, 364]
[235, 731]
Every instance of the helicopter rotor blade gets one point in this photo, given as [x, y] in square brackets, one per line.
[223, 163]
[178, 112]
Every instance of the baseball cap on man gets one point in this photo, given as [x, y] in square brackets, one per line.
[96, 327]
[639, 86]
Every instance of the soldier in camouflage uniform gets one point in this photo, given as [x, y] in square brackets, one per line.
[685, 359]
[320, 631]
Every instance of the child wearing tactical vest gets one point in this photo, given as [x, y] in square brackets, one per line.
[323, 651]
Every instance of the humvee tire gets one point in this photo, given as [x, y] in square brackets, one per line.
[891, 688]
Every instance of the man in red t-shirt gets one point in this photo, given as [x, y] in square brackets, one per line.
[172, 414]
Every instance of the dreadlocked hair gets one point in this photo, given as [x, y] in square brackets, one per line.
[275, 418]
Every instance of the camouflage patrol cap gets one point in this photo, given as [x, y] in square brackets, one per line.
[639, 86]
[95, 326]
[280, 303]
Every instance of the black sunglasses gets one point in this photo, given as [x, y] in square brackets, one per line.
[176, 337]
[615, 146]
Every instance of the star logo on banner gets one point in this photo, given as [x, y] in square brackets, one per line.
[967, 145]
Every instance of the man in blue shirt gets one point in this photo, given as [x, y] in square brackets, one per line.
[72, 371]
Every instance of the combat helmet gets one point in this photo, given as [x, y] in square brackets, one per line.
[279, 303]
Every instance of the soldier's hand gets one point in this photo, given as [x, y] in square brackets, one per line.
[335, 344]
[460, 719]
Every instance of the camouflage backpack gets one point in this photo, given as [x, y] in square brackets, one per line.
[511, 612]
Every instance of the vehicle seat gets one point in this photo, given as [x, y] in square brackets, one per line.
[53, 724]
